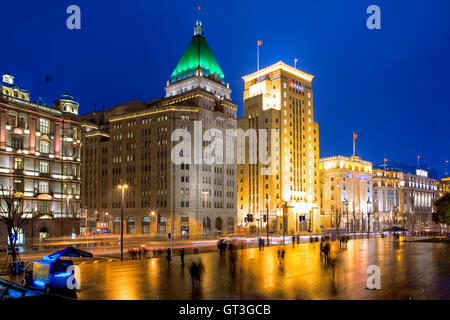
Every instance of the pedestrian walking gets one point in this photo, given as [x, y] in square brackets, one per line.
[293, 240]
[139, 253]
[169, 255]
[326, 252]
[260, 243]
[182, 256]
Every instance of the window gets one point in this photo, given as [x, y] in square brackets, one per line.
[43, 186]
[18, 163]
[44, 147]
[43, 166]
[17, 143]
[44, 126]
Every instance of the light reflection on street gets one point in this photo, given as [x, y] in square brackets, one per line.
[408, 270]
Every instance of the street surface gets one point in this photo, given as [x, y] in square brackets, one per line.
[408, 271]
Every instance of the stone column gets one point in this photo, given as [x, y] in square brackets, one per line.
[32, 138]
[58, 144]
[3, 117]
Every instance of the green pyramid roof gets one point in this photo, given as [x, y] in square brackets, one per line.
[197, 55]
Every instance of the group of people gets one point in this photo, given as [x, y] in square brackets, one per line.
[343, 241]
[295, 238]
[325, 250]
[261, 243]
[196, 271]
[137, 253]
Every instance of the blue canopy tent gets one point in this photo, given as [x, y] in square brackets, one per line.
[70, 252]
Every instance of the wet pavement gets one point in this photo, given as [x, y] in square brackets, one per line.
[408, 271]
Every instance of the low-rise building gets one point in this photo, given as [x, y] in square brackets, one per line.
[346, 194]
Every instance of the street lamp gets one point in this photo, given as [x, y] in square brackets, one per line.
[345, 203]
[122, 187]
[267, 217]
[368, 217]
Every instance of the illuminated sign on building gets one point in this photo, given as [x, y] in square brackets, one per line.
[296, 86]
[18, 131]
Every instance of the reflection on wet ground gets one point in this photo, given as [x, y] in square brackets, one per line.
[408, 271]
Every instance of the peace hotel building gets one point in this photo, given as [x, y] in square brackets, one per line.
[131, 144]
[279, 98]
[40, 161]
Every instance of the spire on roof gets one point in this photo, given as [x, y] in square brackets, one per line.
[197, 55]
[198, 30]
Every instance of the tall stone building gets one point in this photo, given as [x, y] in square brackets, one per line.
[346, 193]
[279, 99]
[40, 158]
[131, 144]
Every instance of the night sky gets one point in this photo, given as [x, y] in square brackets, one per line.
[391, 86]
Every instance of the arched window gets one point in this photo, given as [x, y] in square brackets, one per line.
[145, 225]
[19, 236]
[116, 225]
[219, 225]
[131, 227]
[206, 226]
[230, 225]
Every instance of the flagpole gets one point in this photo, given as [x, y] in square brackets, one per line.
[257, 55]
[354, 145]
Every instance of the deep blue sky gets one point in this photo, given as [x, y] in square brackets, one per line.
[391, 86]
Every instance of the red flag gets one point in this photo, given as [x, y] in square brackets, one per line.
[385, 160]
[259, 43]
[418, 157]
[199, 8]
[446, 161]
[355, 135]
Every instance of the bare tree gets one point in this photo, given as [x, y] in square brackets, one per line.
[338, 219]
[354, 219]
[12, 216]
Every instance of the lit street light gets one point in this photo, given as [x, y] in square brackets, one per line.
[122, 187]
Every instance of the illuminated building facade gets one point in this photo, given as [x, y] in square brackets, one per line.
[279, 99]
[404, 199]
[40, 158]
[346, 194]
[443, 186]
[131, 144]
[388, 200]
[419, 192]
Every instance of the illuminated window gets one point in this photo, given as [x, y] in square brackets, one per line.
[44, 147]
[43, 186]
[44, 125]
[43, 167]
[18, 163]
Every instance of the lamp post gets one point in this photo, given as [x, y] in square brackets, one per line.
[267, 217]
[205, 194]
[368, 217]
[345, 203]
[122, 187]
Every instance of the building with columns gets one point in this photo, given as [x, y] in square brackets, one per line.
[346, 194]
[388, 198]
[419, 194]
[404, 199]
[282, 192]
[131, 144]
[40, 159]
